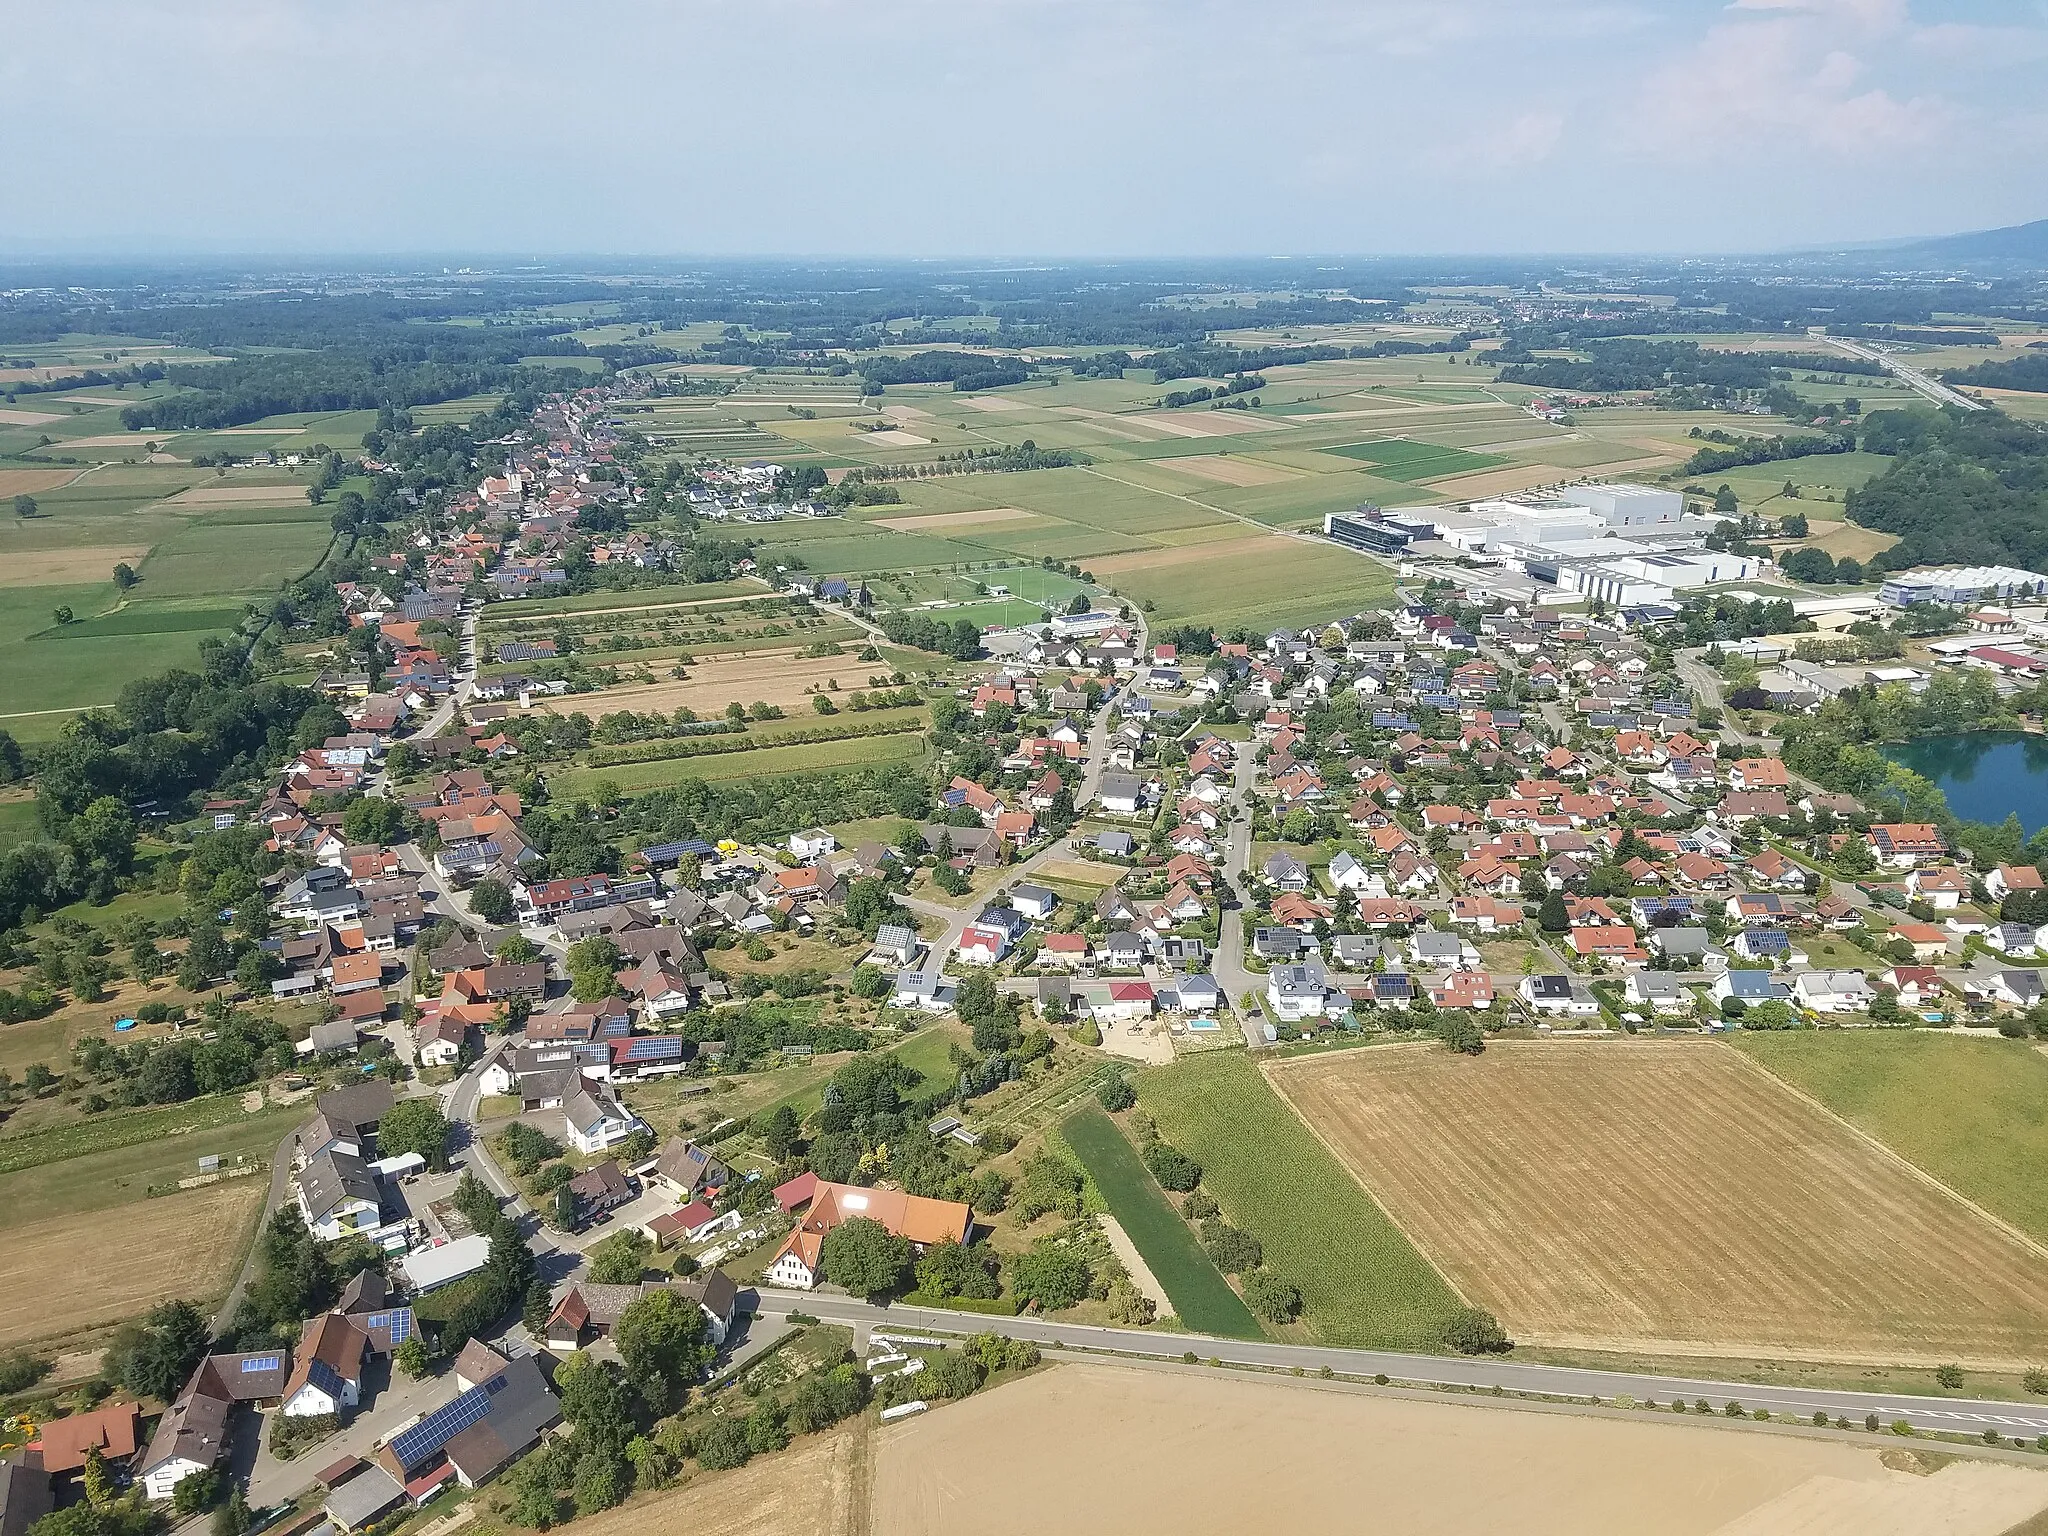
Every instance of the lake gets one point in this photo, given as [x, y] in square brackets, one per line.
[1986, 775]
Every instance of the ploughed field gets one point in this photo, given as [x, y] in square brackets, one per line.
[1671, 1197]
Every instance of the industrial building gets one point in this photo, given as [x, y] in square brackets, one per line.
[1960, 585]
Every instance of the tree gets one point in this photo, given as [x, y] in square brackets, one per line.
[99, 1482]
[24, 506]
[153, 1358]
[516, 949]
[414, 1125]
[1455, 1028]
[593, 967]
[871, 982]
[195, 1491]
[61, 613]
[490, 900]
[411, 1357]
[1471, 1331]
[103, 836]
[1116, 1094]
[373, 819]
[620, 1258]
[124, 576]
[779, 1131]
[1274, 1299]
[663, 1341]
[953, 1269]
[1553, 916]
[1173, 1168]
[862, 1256]
[1793, 525]
[1052, 1276]
[232, 1517]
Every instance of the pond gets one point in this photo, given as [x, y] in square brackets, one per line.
[1986, 775]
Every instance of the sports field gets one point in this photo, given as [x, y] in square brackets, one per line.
[1670, 1197]
[1202, 1298]
[1362, 1283]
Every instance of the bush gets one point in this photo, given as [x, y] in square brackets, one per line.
[1174, 1169]
[1272, 1298]
[724, 1445]
[1116, 1094]
[1198, 1207]
[1230, 1250]
[1950, 1377]
[1471, 1331]
[1053, 1275]
[20, 1371]
[2036, 1382]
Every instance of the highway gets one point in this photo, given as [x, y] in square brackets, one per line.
[1913, 378]
[1952, 1415]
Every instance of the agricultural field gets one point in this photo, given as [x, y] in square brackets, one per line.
[1973, 1112]
[1673, 1198]
[1202, 1298]
[818, 1486]
[1362, 1283]
[1146, 1451]
[188, 1244]
[779, 675]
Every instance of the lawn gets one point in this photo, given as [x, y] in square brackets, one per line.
[1972, 1112]
[1201, 1297]
[1362, 1283]
[19, 822]
[112, 1160]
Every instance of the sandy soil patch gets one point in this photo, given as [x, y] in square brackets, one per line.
[895, 437]
[1229, 471]
[228, 495]
[179, 1245]
[1117, 426]
[712, 370]
[1211, 552]
[994, 403]
[1145, 1451]
[817, 1488]
[118, 440]
[14, 482]
[11, 418]
[927, 521]
[68, 567]
[1142, 1041]
[906, 413]
[1134, 1263]
[776, 677]
[1671, 1197]
[1224, 423]
[255, 431]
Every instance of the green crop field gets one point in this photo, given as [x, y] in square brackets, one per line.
[765, 763]
[1972, 1112]
[1362, 1283]
[19, 823]
[1201, 1297]
[1401, 459]
[1291, 582]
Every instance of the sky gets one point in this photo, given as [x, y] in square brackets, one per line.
[947, 128]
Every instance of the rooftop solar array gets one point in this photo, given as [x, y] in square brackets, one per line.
[444, 1424]
[399, 1322]
[257, 1363]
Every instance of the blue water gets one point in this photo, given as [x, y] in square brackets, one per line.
[1986, 775]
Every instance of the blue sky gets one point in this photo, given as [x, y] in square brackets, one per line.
[1018, 127]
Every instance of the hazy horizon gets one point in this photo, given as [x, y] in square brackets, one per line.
[1023, 130]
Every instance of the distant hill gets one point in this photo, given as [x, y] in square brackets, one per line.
[2016, 242]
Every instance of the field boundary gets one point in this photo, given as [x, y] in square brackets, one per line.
[2026, 1240]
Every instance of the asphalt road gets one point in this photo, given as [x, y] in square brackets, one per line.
[1939, 393]
[1952, 1415]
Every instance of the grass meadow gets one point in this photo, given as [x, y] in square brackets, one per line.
[1362, 1282]
[1973, 1112]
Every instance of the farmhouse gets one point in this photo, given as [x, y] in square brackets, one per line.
[922, 1221]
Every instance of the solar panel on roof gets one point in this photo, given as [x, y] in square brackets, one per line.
[399, 1324]
[261, 1363]
[442, 1425]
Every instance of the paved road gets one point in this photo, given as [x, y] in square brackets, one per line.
[1967, 1416]
[1228, 965]
[1912, 377]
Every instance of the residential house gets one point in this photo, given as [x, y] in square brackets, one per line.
[923, 1222]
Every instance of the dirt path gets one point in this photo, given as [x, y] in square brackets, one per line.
[1134, 1263]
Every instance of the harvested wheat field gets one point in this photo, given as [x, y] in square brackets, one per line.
[774, 677]
[33, 482]
[153, 1250]
[68, 567]
[1499, 482]
[1098, 1450]
[895, 437]
[995, 403]
[818, 1487]
[10, 418]
[925, 522]
[1228, 471]
[1673, 1197]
